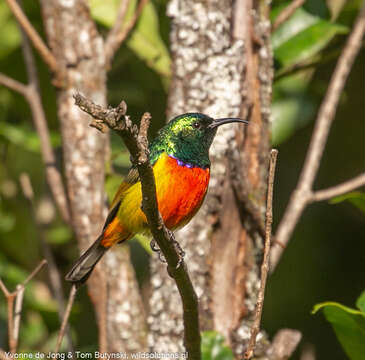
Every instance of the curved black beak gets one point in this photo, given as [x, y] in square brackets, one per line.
[218, 122]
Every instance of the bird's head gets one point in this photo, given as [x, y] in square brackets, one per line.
[188, 137]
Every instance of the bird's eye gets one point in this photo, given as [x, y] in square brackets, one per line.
[196, 125]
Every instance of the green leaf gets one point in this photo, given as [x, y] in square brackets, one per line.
[289, 115]
[356, 198]
[104, 12]
[145, 39]
[360, 302]
[349, 326]
[292, 106]
[213, 347]
[307, 43]
[146, 42]
[297, 23]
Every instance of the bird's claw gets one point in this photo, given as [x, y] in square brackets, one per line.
[156, 249]
[154, 246]
[180, 251]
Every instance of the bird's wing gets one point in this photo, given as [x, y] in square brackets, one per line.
[131, 179]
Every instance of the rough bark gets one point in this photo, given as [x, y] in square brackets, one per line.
[249, 172]
[220, 71]
[78, 48]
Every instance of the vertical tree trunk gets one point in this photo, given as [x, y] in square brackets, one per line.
[78, 48]
[219, 70]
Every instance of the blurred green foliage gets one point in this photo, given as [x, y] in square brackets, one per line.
[213, 347]
[298, 45]
[145, 41]
[319, 263]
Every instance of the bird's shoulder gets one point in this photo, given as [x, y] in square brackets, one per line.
[131, 179]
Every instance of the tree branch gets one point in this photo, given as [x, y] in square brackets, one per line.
[136, 141]
[265, 263]
[4, 289]
[287, 13]
[34, 272]
[66, 315]
[118, 34]
[32, 94]
[340, 189]
[36, 40]
[111, 41]
[13, 84]
[303, 193]
[18, 309]
[15, 304]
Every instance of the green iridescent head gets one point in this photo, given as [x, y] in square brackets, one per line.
[188, 138]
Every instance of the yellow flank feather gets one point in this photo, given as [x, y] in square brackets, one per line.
[130, 214]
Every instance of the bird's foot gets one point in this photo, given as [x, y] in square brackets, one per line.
[178, 248]
[180, 251]
[156, 249]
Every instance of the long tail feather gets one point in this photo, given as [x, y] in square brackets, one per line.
[83, 267]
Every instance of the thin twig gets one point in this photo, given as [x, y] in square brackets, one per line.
[18, 312]
[340, 189]
[13, 84]
[265, 262]
[34, 37]
[125, 32]
[14, 314]
[137, 144]
[53, 273]
[66, 316]
[287, 13]
[10, 302]
[111, 41]
[4, 289]
[302, 195]
[116, 41]
[35, 272]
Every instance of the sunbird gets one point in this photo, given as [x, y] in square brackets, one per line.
[179, 156]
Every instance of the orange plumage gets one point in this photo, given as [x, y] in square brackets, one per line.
[180, 192]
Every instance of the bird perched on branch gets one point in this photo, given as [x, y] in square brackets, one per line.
[179, 156]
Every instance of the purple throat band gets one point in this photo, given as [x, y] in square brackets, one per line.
[181, 163]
